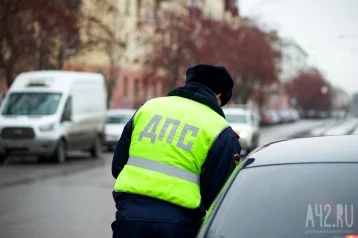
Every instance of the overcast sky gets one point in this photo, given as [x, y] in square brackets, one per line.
[326, 29]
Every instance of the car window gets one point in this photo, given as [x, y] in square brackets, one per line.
[307, 200]
[118, 119]
[32, 104]
[68, 107]
[236, 118]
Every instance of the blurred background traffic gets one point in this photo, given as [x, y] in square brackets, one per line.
[293, 63]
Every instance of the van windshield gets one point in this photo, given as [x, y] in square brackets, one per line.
[31, 104]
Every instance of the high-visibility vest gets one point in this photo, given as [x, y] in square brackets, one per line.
[170, 142]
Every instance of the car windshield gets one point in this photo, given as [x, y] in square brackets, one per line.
[31, 104]
[307, 200]
[118, 119]
[236, 118]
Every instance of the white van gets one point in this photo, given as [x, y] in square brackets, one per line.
[47, 113]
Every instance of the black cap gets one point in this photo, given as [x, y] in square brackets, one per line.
[217, 78]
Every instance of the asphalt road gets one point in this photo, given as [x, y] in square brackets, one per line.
[74, 199]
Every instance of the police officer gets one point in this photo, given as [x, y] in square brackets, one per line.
[173, 158]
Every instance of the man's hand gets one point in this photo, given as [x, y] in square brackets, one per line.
[236, 159]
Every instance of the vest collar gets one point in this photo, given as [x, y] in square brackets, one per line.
[199, 93]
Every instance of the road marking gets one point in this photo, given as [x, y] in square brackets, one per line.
[321, 130]
[355, 132]
[342, 129]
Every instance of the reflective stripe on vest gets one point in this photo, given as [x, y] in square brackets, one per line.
[170, 141]
[164, 169]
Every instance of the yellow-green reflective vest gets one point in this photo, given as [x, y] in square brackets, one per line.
[170, 141]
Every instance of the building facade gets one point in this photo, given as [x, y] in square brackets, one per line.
[122, 65]
[293, 60]
[340, 99]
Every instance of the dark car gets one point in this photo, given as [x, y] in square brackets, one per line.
[295, 188]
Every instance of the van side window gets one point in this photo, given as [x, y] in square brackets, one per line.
[67, 112]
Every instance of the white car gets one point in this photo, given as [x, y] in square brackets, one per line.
[244, 124]
[116, 120]
[49, 113]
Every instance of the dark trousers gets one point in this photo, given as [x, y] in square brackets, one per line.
[139, 216]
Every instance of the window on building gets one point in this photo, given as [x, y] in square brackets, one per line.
[156, 13]
[136, 88]
[150, 13]
[151, 91]
[125, 87]
[127, 7]
[158, 89]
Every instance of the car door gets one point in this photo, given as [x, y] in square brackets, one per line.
[89, 118]
[67, 124]
[73, 135]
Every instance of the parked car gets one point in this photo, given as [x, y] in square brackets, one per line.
[311, 114]
[256, 116]
[295, 114]
[254, 110]
[285, 116]
[269, 117]
[339, 114]
[116, 120]
[285, 189]
[244, 124]
[48, 113]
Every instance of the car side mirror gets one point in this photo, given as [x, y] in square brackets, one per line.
[66, 116]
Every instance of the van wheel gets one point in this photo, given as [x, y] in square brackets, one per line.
[59, 155]
[96, 150]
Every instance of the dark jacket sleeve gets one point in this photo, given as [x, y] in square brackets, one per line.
[121, 154]
[218, 166]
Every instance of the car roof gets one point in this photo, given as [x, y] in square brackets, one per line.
[307, 150]
[235, 110]
[121, 112]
